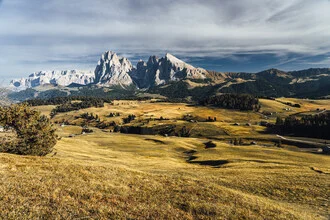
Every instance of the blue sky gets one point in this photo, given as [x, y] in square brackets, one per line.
[222, 35]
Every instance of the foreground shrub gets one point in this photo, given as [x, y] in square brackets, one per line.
[35, 135]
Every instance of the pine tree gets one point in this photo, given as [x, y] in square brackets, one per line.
[35, 135]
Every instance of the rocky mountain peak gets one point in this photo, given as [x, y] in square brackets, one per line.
[141, 64]
[158, 71]
[57, 78]
[182, 69]
[172, 58]
[110, 56]
[113, 70]
[153, 60]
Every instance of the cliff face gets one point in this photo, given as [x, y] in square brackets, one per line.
[61, 78]
[114, 70]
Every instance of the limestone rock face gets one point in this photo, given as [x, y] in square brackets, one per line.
[161, 71]
[179, 69]
[113, 70]
[139, 75]
[61, 78]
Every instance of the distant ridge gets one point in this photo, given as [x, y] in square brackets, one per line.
[118, 72]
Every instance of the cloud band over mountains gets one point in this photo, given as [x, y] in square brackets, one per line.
[36, 32]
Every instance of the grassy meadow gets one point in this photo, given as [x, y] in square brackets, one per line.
[106, 175]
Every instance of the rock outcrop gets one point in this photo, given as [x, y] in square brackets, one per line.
[60, 78]
[158, 71]
[113, 70]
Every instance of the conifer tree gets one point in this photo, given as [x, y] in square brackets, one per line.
[35, 135]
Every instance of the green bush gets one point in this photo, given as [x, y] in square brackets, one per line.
[35, 135]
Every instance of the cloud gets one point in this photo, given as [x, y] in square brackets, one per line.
[38, 31]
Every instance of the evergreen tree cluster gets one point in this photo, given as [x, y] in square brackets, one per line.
[88, 116]
[65, 100]
[129, 119]
[317, 126]
[114, 114]
[104, 124]
[86, 130]
[35, 135]
[74, 106]
[242, 102]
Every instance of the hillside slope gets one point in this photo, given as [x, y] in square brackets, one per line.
[117, 176]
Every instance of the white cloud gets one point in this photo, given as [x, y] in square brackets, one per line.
[35, 30]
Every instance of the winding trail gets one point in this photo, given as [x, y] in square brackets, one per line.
[302, 141]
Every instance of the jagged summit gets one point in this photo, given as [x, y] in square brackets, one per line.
[172, 58]
[177, 61]
[115, 70]
[112, 69]
[61, 78]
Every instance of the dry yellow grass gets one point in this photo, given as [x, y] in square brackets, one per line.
[117, 176]
[308, 104]
[175, 111]
[45, 109]
[278, 106]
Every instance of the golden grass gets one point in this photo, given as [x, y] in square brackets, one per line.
[45, 109]
[308, 104]
[116, 176]
[175, 112]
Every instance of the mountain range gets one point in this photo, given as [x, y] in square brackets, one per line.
[170, 75]
[113, 70]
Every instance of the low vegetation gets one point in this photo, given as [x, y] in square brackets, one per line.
[35, 135]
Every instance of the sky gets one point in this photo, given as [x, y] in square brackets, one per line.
[221, 35]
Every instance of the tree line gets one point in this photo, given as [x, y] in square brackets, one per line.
[317, 126]
[64, 100]
[74, 106]
[242, 102]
